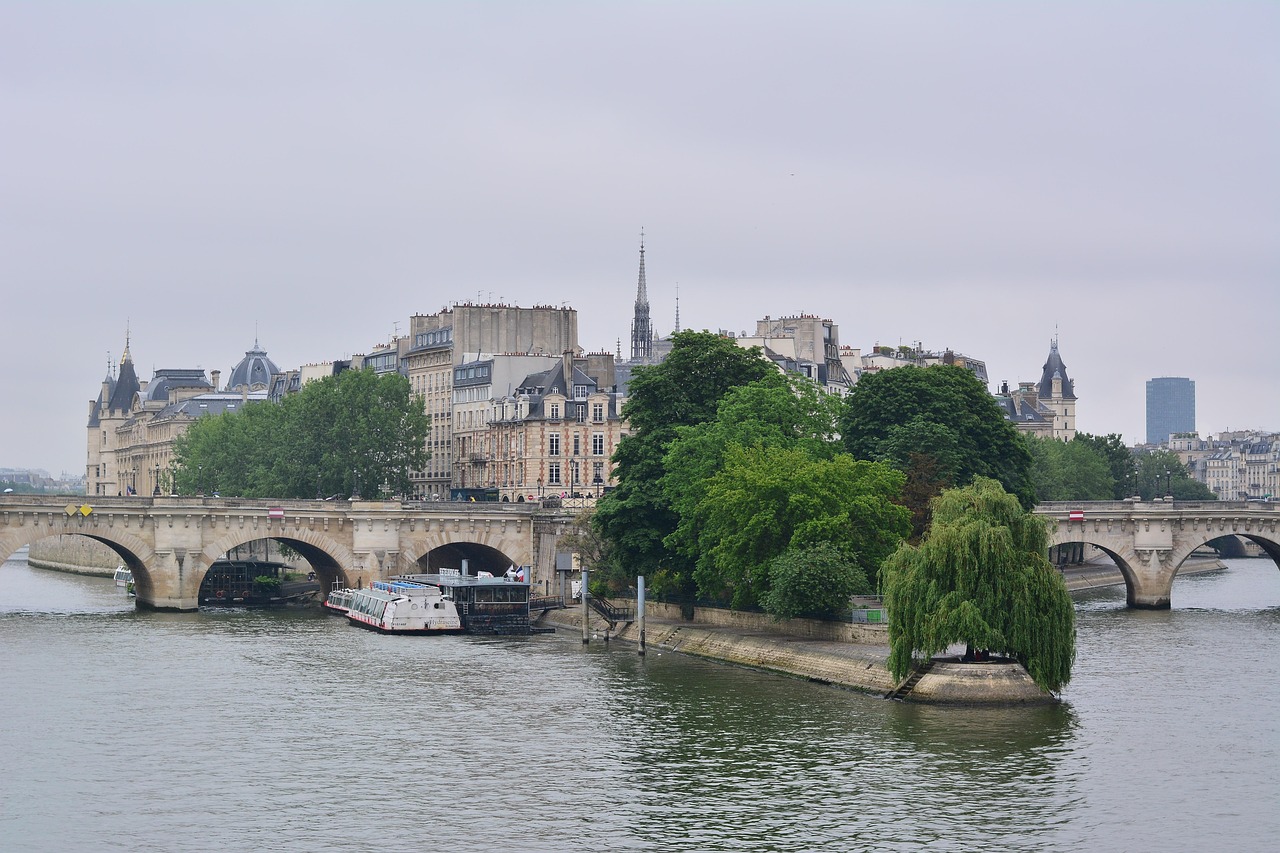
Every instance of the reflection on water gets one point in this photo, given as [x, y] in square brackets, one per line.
[239, 730]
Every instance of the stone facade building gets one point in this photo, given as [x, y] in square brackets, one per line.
[437, 343]
[555, 433]
[1236, 466]
[1047, 408]
[804, 344]
[133, 424]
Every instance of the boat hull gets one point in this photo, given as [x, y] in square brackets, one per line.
[403, 631]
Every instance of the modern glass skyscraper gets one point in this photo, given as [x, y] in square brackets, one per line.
[1171, 407]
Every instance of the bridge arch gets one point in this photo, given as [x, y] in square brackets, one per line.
[326, 556]
[133, 552]
[432, 553]
[1150, 542]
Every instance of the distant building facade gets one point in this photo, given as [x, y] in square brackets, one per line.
[1236, 466]
[1048, 408]
[1171, 407]
[803, 344]
[885, 358]
[461, 334]
[554, 434]
[133, 424]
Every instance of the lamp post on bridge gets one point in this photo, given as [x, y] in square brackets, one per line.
[156, 490]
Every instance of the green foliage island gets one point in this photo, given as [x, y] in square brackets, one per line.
[751, 488]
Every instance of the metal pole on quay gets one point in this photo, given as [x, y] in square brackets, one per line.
[582, 595]
[640, 608]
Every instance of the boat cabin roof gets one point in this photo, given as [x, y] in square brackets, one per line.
[459, 580]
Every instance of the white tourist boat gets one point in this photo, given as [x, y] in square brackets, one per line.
[123, 576]
[398, 607]
[338, 601]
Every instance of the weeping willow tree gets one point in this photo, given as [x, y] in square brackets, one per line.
[981, 577]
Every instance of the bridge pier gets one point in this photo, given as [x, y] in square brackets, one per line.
[1150, 584]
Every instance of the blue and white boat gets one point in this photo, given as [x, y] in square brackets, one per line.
[399, 607]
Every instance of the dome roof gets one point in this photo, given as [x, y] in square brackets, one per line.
[254, 371]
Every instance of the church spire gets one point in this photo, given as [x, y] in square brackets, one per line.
[641, 332]
[642, 290]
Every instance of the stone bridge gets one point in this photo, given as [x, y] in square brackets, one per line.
[1149, 540]
[170, 542]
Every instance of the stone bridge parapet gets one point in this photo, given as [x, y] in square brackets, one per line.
[170, 542]
[1149, 540]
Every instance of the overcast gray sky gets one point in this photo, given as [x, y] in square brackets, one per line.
[978, 176]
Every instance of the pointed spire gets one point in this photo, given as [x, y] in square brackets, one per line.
[641, 331]
[127, 383]
[677, 306]
[642, 290]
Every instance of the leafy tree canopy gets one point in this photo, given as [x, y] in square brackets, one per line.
[766, 501]
[683, 390]
[818, 581]
[776, 411]
[354, 431]
[1119, 459]
[942, 412]
[1161, 473]
[981, 577]
[1069, 470]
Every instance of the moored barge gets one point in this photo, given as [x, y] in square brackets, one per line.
[399, 607]
[486, 604]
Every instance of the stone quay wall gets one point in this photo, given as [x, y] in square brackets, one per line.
[823, 652]
[77, 555]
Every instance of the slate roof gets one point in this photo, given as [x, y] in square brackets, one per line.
[126, 386]
[167, 379]
[1053, 366]
[254, 370]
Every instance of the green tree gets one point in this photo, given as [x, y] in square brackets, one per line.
[1119, 459]
[775, 411]
[684, 389]
[818, 580]
[941, 411]
[354, 430]
[981, 577]
[1162, 473]
[766, 501]
[1069, 470]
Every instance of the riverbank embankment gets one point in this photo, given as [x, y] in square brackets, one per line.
[850, 656]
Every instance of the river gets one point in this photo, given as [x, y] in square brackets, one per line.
[291, 731]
